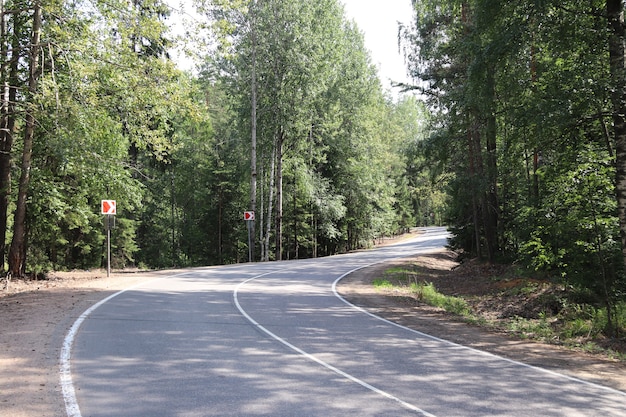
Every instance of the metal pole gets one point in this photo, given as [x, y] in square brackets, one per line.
[108, 245]
[249, 242]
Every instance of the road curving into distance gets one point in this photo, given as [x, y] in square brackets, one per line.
[275, 339]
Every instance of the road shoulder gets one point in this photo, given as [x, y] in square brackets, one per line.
[357, 288]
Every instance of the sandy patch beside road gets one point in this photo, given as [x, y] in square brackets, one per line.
[36, 316]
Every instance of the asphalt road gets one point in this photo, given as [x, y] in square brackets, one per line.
[274, 339]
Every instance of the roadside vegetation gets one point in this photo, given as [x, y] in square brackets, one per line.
[527, 118]
[513, 134]
[283, 115]
[505, 299]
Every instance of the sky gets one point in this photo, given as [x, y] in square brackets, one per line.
[378, 20]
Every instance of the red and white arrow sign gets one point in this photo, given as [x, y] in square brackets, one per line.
[108, 207]
[248, 215]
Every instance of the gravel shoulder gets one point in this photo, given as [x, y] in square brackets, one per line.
[36, 316]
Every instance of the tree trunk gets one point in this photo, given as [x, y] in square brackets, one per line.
[279, 196]
[473, 151]
[296, 244]
[17, 253]
[533, 79]
[472, 176]
[253, 117]
[260, 216]
[9, 79]
[491, 226]
[270, 200]
[618, 99]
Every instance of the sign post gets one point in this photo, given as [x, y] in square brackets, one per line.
[109, 209]
[248, 216]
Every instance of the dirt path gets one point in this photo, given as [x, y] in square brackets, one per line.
[36, 316]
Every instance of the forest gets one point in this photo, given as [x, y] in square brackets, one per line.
[513, 134]
[527, 107]
[284, 115]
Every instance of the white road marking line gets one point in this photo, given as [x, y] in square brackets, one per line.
[67, 386]
[482, 352]
[315, 359]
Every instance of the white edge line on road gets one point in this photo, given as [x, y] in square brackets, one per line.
[67, 386]
[482, 352]
[315, 359]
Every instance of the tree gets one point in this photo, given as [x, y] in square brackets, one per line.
[320, 124]
[10, 50]
[522, 94]
[17, 252]
[421, 187]
[173, 149]
[253, 123]
[79, 110]
[617, 54]
[452, 55]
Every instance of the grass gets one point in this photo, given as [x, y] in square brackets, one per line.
[382, 283]
[426, 292]
[531, 328]
[575, 325]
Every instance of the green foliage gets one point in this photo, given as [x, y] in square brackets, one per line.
[520, 96]
[328, 154]
[576, 233]
[408, 279]
[576, 325]
[567, 317]
[116, 120]
[533, 329]
[429, 294]
[382, 283]
[123, 243]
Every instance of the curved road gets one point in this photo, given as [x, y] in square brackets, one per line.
[274, 339]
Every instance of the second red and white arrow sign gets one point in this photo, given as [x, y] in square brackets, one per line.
[108, 207]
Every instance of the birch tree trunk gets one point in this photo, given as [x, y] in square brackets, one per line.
[253, 117]
[9, 80]
[279, 196]
[270, 200]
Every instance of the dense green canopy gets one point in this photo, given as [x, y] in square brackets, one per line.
[514, 134]
[94, 108]
[528, 101]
